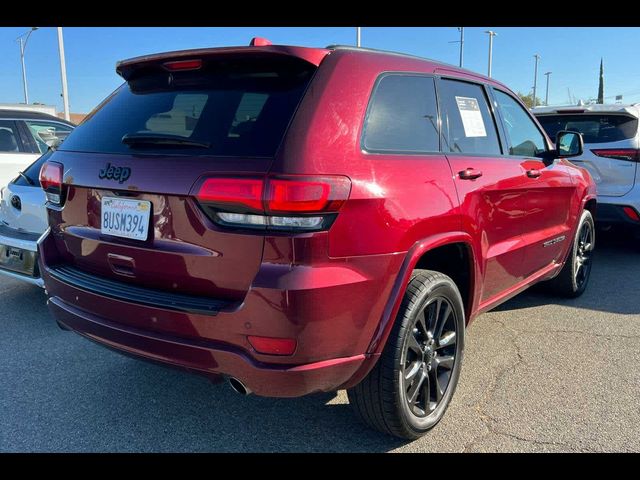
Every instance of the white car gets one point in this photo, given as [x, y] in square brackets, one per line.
[24, 137]
[611, 137]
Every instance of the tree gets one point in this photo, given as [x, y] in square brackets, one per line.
[528, 100]
[601, 84]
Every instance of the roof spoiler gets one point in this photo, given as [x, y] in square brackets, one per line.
[259, 47]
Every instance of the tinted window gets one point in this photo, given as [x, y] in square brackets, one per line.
[402, 116]
[9, 140]
[46, 134]
[468, 125]
[595, 128]
[525, 139]
[238, 107]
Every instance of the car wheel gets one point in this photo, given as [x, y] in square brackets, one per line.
[411, 385]
[574, 276]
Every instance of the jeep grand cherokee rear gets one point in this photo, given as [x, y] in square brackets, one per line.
[297, 220]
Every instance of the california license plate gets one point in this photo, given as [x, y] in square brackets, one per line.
[125, 218]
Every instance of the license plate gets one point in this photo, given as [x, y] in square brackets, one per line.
[125, 218]
[17, 260]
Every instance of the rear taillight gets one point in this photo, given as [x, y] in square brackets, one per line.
[630, 154]
[51, 181]
[291, 203]
[631, 213]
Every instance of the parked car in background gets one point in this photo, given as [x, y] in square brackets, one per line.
[309, 219]
[611, 154]
[24, 137]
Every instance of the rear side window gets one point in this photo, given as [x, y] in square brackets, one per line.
[238, 107]
[595, 128]
[402, 116]
[46, 134]
[468, 125]
[9, 140]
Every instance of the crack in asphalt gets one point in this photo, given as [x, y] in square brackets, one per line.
[490, 423]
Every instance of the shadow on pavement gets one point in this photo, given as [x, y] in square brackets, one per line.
[614, 276]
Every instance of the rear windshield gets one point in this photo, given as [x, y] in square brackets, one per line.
[238, 107]
[595, 128]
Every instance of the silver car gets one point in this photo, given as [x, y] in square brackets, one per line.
[611, 154]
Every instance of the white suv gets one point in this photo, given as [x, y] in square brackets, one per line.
[611, 154]
[24, 137]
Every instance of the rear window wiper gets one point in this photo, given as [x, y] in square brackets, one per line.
[156, 139]
[28, 180]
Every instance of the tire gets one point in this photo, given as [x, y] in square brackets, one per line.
[382, 400]
[573, 279]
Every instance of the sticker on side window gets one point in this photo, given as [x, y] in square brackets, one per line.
[471, 117]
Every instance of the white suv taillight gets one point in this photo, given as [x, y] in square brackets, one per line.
[51, 181]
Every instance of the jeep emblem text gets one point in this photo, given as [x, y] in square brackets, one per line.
[121, 174]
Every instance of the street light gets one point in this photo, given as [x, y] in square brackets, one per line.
[491, 35]
[535, 78]
[23, 46]
[63, 73]
[546, 97]
[461, 42]
[358, 32]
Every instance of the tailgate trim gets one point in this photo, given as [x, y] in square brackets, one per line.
[139, 295]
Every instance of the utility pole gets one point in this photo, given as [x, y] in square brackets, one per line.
[461, 46]
[63, 73]
[491, 35]
[546, 97]
[535, 78]
[23, 46]
[358, 32]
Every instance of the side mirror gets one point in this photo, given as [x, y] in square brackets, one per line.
[568, 144]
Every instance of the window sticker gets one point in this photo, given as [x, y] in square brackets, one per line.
[471, 117]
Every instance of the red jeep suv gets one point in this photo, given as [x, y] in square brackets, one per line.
[299, 220]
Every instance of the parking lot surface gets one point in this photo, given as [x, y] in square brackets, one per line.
[540, 374]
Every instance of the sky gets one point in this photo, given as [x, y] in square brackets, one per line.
[571, 54]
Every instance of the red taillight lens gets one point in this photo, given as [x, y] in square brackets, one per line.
[630, 154]
[183, 65]
[51, 180]
[306, 194]
[234, 191]
[273, 346]
[631, 213]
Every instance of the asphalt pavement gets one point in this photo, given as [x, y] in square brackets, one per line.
[539, 374]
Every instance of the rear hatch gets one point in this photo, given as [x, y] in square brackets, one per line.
[610, 146]
[180, 118]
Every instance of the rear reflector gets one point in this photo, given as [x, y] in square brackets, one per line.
[51, 181]
[630, 154]
[273, 346]
[631, 213]
[183, 65]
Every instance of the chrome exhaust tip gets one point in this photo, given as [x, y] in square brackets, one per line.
[238, 386]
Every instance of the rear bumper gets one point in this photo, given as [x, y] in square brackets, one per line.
[24, 241]
[210, 358]
[609, 214]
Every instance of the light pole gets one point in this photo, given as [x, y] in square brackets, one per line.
[461, 46]
[23, 46]
[546, 97]
[63, 73]
[491, 35]
[535, 78]
[358, 32]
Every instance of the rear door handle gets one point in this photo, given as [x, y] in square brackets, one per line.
[533, 173]
[470, 174]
